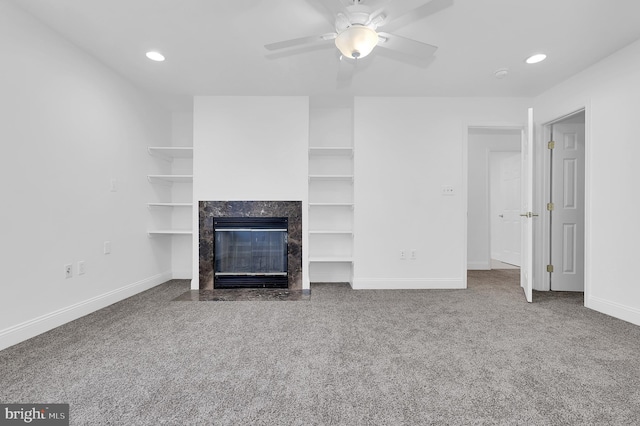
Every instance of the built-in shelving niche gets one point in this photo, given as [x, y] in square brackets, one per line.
[169, 210]
[331, 203]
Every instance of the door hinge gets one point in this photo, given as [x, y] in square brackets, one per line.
[549, 268]
[550, 206]
[551, 145]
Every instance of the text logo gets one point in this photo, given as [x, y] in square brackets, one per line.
[34, 414]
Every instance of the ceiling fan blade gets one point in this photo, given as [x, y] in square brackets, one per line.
[406, 45]
[346, 70]
[284, 53]
[402, 12]
[397, 8]
[302, 41]
[414, 61]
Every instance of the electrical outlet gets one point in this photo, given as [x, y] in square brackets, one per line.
[447, 190]
[68, 271]
[82, 269]
[107, 247]
[403, 255]
[414, 254]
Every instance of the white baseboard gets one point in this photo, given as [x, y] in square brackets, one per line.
[182, 274]
[407, 283]
[33, 327]
[616, 310]
[478, 266]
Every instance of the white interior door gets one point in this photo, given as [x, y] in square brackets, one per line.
[505, 206]
[526, 215]
[567, 216]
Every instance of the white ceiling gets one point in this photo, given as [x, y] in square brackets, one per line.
[215, 47]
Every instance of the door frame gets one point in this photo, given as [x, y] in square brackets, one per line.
[465, 175]
[544, 184]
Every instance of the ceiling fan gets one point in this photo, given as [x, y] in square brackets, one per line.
[357, 26]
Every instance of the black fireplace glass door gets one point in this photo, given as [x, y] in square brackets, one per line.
[251, 252]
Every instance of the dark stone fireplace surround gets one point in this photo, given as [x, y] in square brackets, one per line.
[207, 210]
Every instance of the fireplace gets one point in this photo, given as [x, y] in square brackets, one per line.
[259, 215]
[250, 252]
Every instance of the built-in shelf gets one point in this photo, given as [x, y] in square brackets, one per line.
[331, 205]
[328, 232]
[332, 177]
[170, 232]
[170, 204]
[331, 151]
[331, 259]
[171, 152]
[171, 178]
[331, 185]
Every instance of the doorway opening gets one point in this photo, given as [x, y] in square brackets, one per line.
[504, 207]
[564, 232]
[493, 198]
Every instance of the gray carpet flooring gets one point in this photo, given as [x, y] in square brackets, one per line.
[457, 357]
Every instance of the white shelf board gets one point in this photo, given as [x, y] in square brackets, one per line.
[170, 232]
[334, 204]
[171, 178]
[331, 259]
[331, 150]
[170, 204]
[327, 232]
[331, 205]
[331, 177]
[171, 152]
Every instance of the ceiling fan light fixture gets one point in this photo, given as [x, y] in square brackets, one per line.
[357, 41]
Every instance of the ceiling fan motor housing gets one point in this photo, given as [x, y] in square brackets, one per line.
[356, 15]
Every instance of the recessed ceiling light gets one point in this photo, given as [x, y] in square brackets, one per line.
[538, 57]
[501, 73]
[155, 56]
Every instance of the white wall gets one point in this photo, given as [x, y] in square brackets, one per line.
[406, 149]
[610, 91]
[481, 143]
[69, 125]
[251, 148]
